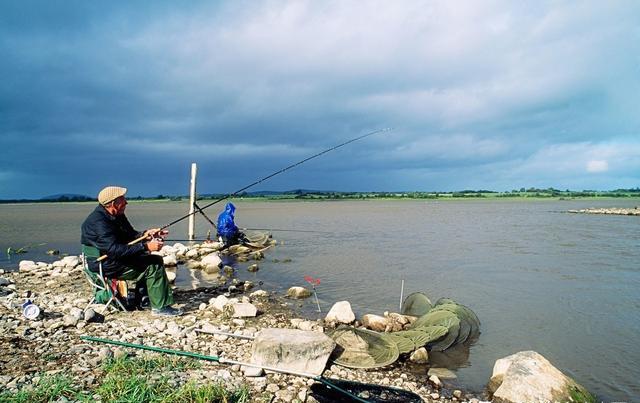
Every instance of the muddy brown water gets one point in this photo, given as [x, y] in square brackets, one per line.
[565, 285]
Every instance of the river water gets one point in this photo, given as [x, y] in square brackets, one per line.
[564, 285]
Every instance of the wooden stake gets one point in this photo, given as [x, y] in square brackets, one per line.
[192, 201]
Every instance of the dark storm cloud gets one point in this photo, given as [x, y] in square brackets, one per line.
[480, 95]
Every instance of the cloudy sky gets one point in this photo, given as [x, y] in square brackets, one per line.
[480, 95]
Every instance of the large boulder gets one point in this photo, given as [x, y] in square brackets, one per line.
[292, 350]
[340, 312]
[528, 377]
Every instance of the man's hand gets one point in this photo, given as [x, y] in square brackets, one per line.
[155, 233]
[154, 245]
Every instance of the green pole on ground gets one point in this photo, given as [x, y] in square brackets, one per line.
[222, 361]
[151, 348]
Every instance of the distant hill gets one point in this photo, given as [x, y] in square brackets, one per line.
[67, 197]
[289, 192]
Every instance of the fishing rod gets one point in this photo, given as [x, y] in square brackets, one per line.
[225, 197]
[204, 215]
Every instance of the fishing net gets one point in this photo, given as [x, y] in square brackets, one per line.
[435, 318]
[362, 348]
[465, 321]
[258, 240]
[441, 318]
[324, 393]
[251, 248]
[424, 335]
[464, 314]
[416, 304]
[448, 340]
[405, 344]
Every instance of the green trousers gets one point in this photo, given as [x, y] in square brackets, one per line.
[160, 294]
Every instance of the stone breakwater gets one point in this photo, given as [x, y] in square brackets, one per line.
[51, 343]
[613, 210]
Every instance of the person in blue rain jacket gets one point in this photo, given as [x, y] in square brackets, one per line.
[228, 232]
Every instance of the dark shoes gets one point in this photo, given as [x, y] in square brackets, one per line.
[166, 311]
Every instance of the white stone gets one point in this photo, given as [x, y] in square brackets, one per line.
[435, 381]
[71, 261]
[170, 260]
[309, 325]
[192, 254]
[239, 322]
[26, 265]
[220, 302]
[168, 250]
[528, 376]
[171, 275]
[243, 310]
[58, 264]
[259, 294]
[442, 373]
[374, 322]
[160, 325]
[293, 350]
[420, 356]
[180, 248]
[252, 371]
[211, 260]
[298, 292]
[341, 312]
[193, 265]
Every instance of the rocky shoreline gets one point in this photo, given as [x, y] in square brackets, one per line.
[51, 343]
[612, 210]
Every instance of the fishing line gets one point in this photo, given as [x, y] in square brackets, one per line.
[204, 215]
[225, 197]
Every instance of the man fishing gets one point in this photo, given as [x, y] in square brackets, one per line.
[228, 232]
[108, 230]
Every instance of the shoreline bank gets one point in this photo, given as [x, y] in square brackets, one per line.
[35, 348]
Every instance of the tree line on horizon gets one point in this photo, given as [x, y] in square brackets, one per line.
[337, 195]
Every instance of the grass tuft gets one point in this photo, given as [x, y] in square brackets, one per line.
[133, 380]
[49, 388]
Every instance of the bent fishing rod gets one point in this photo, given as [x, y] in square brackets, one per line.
[229, 195]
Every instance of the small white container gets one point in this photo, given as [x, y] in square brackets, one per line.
[30, 310]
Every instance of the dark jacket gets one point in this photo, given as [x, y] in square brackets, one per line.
[110, 234]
